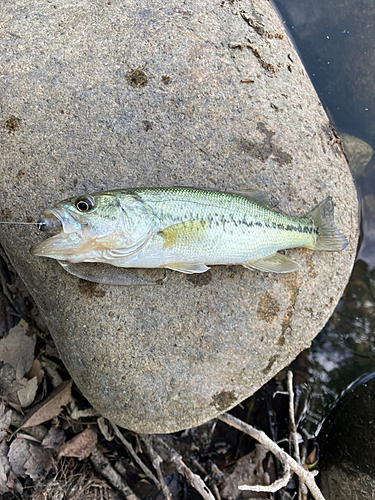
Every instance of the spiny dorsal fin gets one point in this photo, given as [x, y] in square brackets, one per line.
[184, 233]
[188, 267]
[256, 196]
[275, 263]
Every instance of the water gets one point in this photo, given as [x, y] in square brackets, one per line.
[336, 42]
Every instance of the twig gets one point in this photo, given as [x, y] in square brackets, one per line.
[103, 465]
[293, 429]
[199, 467]
[215, 489]
[136, 458]
[271, 488]
[307, 477]
[194, 480]
[156, 461]
[292, 421]
[303, 492]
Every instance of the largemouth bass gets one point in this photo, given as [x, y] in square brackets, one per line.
[184, 229]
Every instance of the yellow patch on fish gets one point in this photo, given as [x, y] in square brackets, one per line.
[184, 233]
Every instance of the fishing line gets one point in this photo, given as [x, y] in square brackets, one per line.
[38, 223]
[43, 225]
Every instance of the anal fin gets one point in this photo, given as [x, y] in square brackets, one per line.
[188, 267]
[275, 263]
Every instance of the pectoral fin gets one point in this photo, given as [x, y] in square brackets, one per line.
[275, 263]
[188, 267]
[184, 233]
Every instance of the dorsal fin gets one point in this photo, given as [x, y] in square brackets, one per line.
[256, 196]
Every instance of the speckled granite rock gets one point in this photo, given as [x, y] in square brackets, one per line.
[112, 94]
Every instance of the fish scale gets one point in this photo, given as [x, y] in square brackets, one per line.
[244, 229]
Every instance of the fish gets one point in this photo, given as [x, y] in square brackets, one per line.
[184, 229]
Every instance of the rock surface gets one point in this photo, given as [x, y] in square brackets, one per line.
[99, 95]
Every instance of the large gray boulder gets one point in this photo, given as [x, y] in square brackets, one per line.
[98, 95]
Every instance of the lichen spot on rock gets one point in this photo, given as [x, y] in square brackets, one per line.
[136, 78]
[12, 124]
[223, 400]
[268, 308]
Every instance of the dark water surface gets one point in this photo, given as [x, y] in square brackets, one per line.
[336, 42]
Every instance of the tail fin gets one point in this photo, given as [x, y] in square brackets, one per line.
[329, 238]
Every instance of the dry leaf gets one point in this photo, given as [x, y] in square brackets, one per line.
[312, 456]
[17, 348]
[104, 428]
[52, 351]
[14, 483]
[81, 446]
[36, 371]
[39, 463]
[26, 459]
[4, 466]
[50, 407]
[248, 470]
[18, 455]
[5, 419]
[26, 394]
[54, 438]
[9, 385]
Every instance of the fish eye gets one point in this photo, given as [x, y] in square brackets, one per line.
[84, 203]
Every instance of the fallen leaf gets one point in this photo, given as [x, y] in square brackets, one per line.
[18, 455]
[9, 385]
[52, 351]
[50, 407]
[248, 470]
[312, 457]
[17, 348]
[14, 483]
[104, 428]
[4, 466]
[26, 394]
[5, 419]
[36, 371]
[55, 437]
[81, 446]
[27, 459]
[39, 463]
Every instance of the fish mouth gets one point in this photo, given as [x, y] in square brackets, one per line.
[63, 244]
[69, 221]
